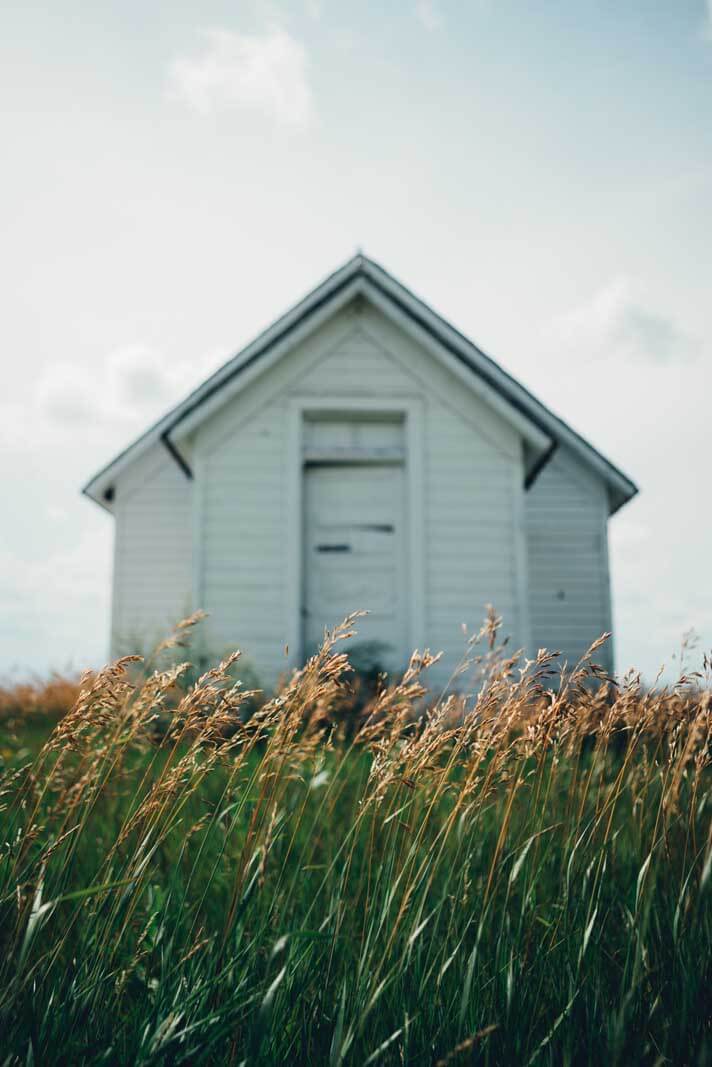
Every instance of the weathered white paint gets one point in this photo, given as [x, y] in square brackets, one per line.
[362, 277]
[468, 478]
[421, 447]
[569, 596]
[403, 414]
[152, 554]
[355, 553]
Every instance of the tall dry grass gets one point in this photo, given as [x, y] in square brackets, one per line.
[516, 875]
[38, 698]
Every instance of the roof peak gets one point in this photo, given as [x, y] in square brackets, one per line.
[389, 293]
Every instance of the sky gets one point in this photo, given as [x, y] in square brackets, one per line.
[175, 175]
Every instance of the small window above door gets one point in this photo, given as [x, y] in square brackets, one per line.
[353, 437]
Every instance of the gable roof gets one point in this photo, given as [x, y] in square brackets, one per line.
[542, 431]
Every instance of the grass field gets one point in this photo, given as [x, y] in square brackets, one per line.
[520, 876]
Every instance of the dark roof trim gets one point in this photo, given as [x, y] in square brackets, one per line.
[267, 347]
[175, 454]
[196, 397]
[621, 488]
[491, 380]
[540, 464]
[455, 351]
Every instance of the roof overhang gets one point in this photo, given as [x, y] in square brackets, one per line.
[540, 429]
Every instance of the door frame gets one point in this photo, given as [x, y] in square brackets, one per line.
[410, 409]
[396, 635]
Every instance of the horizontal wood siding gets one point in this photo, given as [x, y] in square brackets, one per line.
[469, 532]
[472, 464]
[566, 520]
[243, 547]
[224, 542]
[152, 554]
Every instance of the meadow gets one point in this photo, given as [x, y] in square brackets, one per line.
[520, 873]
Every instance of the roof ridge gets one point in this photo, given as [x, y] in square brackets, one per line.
[427, 319]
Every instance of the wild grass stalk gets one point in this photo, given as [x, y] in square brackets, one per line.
[518, 873]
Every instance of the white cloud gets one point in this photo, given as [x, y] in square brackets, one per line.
[128, 381]
[428, 14]
[64, 394]
[45, 605]
[620, 322]
[137, 375]
[132, 384]
[264, 73]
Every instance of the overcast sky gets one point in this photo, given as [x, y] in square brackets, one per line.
[174, 175]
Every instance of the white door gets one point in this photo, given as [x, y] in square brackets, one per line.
[355, 557]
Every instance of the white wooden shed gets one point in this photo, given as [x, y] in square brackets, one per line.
[360, 454]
